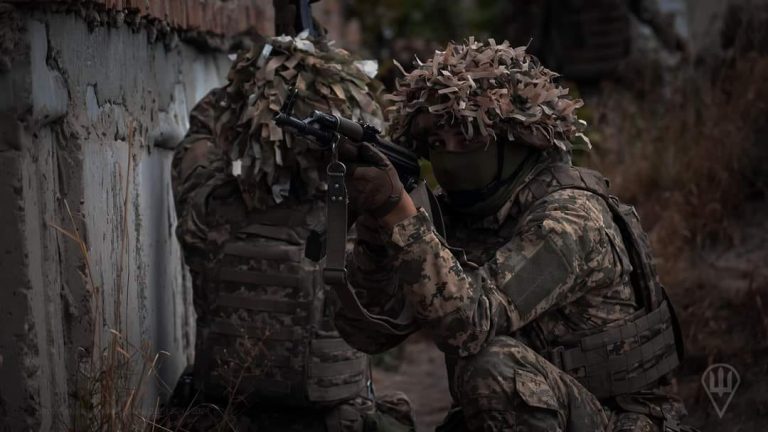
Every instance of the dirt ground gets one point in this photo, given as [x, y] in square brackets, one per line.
[420, 375]
[723, 307]
[724, 313]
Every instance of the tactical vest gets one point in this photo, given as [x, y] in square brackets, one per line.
[268, 335]
[634, 354]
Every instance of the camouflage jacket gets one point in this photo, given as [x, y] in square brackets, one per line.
[538, 269]
[200, 172]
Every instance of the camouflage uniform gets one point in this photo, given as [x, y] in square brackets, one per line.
[545, 267]
[250, 201]
[544, 298]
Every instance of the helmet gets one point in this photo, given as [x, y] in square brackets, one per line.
[492, 90]
[271, 163]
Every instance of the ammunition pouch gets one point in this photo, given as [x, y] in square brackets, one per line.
[268, 334]
[623, 359]
[637, 352]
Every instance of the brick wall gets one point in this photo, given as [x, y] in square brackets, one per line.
[222, 17]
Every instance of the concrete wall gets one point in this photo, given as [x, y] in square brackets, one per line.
[88, 118]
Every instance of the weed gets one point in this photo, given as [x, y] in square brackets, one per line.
[689, 155]
[113, 381]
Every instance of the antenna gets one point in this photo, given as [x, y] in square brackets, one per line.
[304, 18]
[290, 100]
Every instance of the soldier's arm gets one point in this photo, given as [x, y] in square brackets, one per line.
[559, 252]
[371, 271]
[198, 166]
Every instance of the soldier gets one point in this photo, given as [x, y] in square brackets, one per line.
[251, 209]
[544, 299]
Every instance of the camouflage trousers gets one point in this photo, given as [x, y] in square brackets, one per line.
[389, 413]
[509, 387]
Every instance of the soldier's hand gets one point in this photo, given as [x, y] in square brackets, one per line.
[372, 181]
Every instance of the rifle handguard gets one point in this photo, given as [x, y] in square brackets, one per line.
[323, 127]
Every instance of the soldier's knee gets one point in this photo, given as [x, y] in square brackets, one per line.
[488, 371]
[504, 383]
[497, 363]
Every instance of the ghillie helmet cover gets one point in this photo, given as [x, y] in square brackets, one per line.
[489, 89]
[328, 79]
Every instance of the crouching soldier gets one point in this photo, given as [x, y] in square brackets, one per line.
[546, 304]
[250, 201]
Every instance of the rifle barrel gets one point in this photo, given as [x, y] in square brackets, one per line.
[406, 163]
[323, 137]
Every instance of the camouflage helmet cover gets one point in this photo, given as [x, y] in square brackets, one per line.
[270, 159]
[494, 90]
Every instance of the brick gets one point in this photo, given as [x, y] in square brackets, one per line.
[221, 17]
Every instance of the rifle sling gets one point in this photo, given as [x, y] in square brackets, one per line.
[335, 273]
[336, 228]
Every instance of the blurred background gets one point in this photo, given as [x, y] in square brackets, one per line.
[94, 96]
[677, 102]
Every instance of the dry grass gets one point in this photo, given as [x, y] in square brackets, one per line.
[115, 378]
[692, 157]
[112, 391]
[246, 360]
[113, 381]
[688, 155]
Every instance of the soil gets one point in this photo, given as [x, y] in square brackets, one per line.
[723, 309]
[421, 376]
[724, 313]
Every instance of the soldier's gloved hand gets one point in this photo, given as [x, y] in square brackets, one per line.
[372, 182]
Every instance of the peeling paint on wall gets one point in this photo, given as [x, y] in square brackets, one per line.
[88, 118]
[221, 17]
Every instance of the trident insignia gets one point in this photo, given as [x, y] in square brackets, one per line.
[720, 382]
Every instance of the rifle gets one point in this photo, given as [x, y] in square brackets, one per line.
[327, 130]
[303, 19]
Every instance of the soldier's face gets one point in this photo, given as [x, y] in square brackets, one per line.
[459, 164]
[427, 132]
